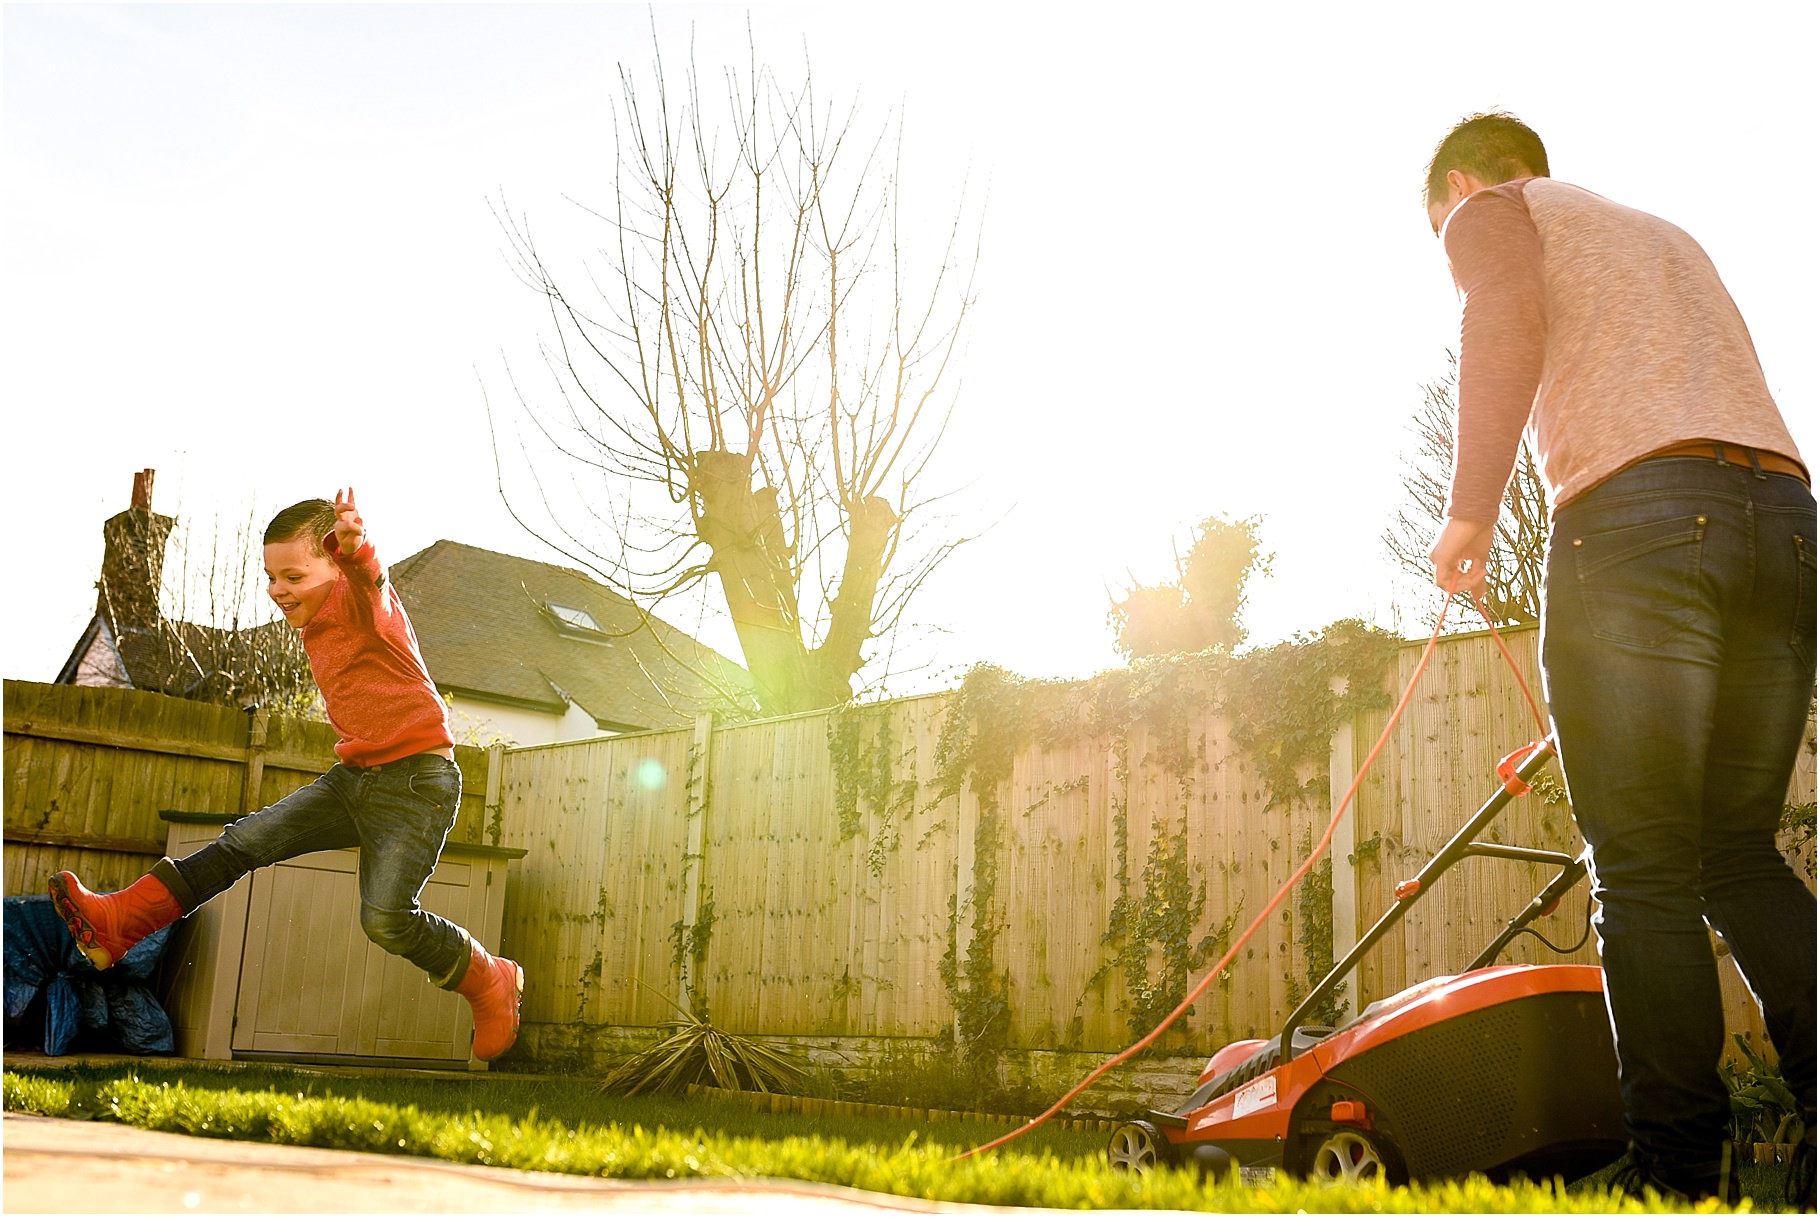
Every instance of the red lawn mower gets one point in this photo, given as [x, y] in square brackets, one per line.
[1501, 1070]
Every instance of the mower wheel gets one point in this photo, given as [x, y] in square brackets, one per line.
[1138, 1146]
[1348, 1156]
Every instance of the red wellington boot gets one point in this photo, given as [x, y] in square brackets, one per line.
[107, 926]
[492, 987]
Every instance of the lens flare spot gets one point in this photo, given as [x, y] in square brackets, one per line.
[651, 774]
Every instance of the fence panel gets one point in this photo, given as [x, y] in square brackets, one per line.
[1178, 835]
[589, 909]
[905, 884]
[1056, 888]
[830, 916]
[1438, 768]
[88, 770]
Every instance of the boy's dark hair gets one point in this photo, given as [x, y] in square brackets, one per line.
[312, 518]
[1495, 147]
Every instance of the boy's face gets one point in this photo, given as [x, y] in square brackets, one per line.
[297, 580]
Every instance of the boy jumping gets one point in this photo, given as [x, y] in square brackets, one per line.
[394, 793]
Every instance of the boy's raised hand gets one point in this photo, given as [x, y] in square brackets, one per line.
[350, 530]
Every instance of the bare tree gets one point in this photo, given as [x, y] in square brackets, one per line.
[1514, 572]
[754, 379]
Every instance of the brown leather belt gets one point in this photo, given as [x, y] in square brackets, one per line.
[1749, 459]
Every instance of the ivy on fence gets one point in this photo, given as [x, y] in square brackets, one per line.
[689, 942]
[991, 717]
[1282, 703]
[866, 758]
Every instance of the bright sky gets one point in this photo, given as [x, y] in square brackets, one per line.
[251, 247]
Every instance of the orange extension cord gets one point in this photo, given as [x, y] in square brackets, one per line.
[1289, 884]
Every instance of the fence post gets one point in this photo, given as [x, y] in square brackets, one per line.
[255, 761]
[967, 819]
[494, 808]
[696, 805]
[1340, 770]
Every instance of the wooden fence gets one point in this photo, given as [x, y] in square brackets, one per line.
[1437, 768]
[1434, 772]
[712, 865]
[644, 849]
[742, 869]
[88, 770]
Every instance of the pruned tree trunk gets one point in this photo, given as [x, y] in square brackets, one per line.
[744, 532]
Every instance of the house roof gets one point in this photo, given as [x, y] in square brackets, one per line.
[95, 659]
[200, 662]
[486, 626]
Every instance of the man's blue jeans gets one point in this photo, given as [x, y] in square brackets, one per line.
[399, 814]
[1678, 649]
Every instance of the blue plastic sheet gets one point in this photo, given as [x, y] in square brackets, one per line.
[55, 996]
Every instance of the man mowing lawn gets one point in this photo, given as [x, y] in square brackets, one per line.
[1678, 619]
[394, 793]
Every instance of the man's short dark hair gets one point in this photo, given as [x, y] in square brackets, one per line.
[312, 518]
[1495, 147]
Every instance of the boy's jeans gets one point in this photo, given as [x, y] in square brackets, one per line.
[1678, 648]
[398, 814]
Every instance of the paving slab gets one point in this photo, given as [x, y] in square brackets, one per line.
[93, 1166]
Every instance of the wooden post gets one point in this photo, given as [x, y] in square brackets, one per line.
[967, 820]
[255, 761]
[495, 809]
[696, 803]
[1340, 771]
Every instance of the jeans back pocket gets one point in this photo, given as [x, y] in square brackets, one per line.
[1639, 584]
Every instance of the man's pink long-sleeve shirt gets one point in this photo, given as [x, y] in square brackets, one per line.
[1603, 329]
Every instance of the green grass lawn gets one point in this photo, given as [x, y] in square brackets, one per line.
[563, 1124]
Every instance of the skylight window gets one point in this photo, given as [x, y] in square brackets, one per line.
[574, 618]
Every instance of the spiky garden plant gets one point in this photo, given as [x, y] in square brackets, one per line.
[696, 1051]
[1764, 1109]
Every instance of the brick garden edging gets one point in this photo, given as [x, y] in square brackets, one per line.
[803, 1105]
[1159, 1084]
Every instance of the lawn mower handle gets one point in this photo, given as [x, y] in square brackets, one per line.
[1463, 845]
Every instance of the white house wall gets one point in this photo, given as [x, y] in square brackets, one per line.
[479, 722]
[577, 724]
[101, 667]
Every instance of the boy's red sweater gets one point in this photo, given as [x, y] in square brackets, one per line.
[364, 656]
